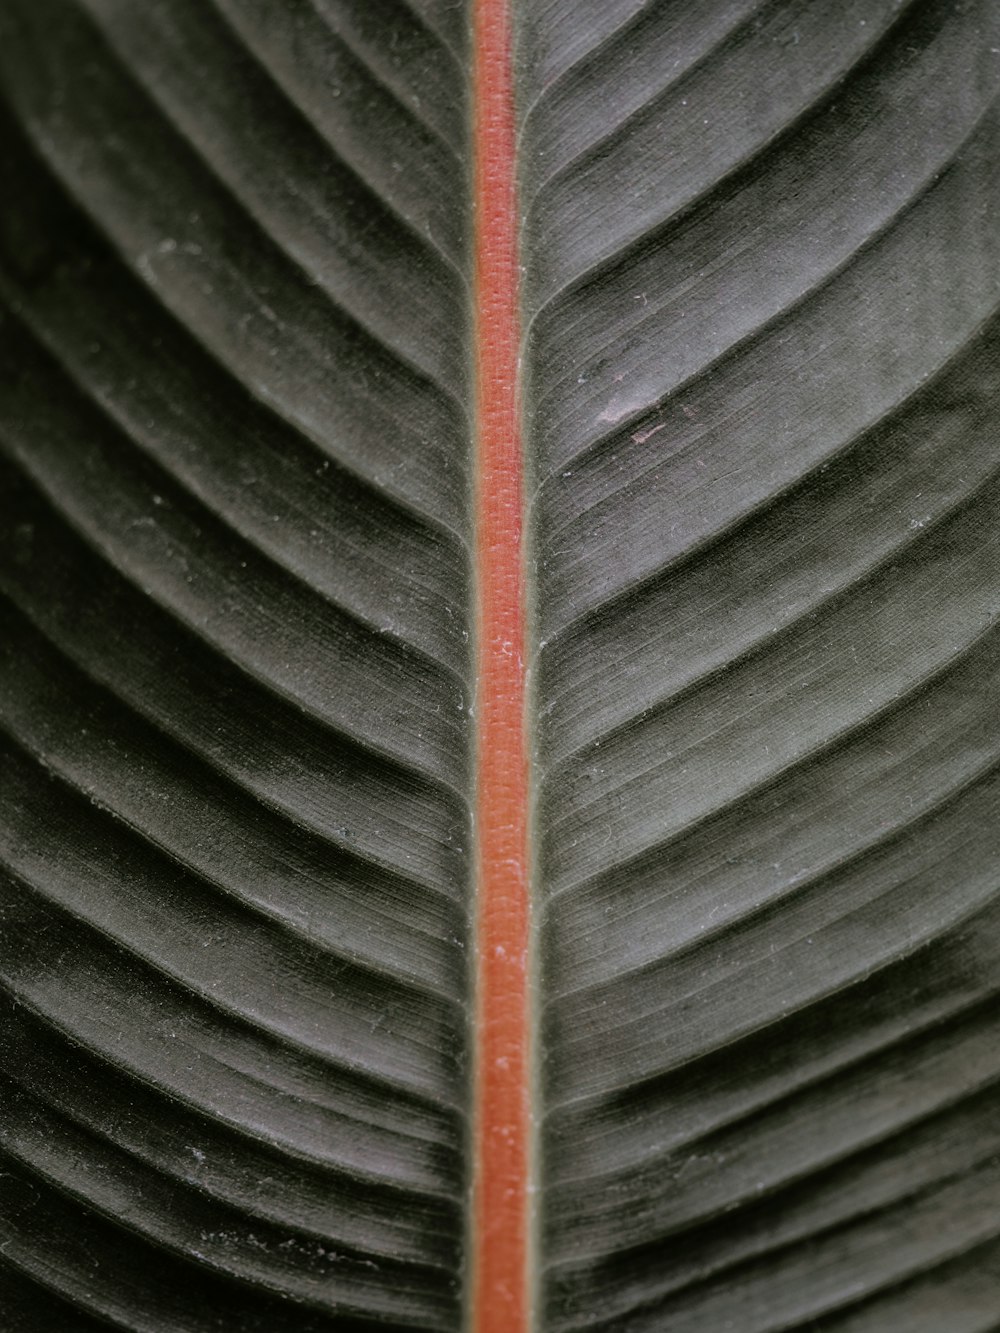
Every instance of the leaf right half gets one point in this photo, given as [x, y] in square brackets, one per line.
[762, 282]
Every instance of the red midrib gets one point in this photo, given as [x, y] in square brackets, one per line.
[501, 1109]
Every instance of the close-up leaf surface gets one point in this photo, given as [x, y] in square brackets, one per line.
[500, 799]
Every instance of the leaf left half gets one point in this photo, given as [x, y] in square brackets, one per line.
[234, 664]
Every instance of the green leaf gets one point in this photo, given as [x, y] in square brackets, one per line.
[761, 358]
[235, 670]
[763, 352]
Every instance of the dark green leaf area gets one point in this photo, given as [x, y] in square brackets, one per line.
[234, 667]
[763, 283]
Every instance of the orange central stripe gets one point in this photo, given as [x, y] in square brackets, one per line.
[501, 1113]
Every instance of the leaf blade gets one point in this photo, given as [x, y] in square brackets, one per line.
[767, 751]
[244, 602]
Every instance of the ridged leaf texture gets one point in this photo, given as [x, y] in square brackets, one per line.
[761, 357]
